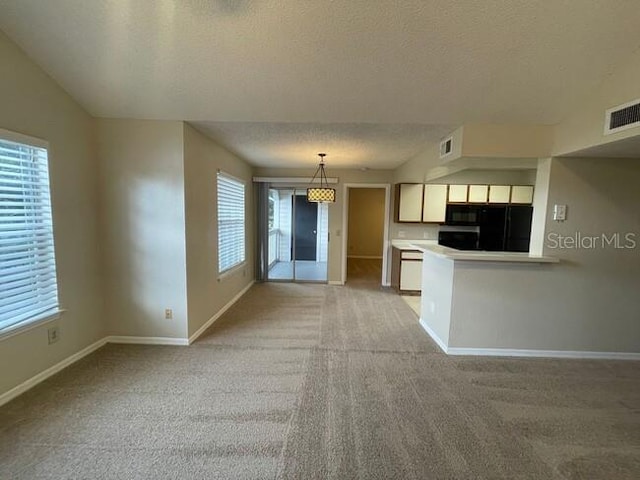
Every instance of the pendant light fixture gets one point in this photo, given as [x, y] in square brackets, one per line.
[321, 194]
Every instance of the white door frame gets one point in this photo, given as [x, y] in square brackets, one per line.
[345, 226]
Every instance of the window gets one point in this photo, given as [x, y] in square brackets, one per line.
[28, 288]
[230, 222]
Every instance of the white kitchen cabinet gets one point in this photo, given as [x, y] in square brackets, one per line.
[499, 193]
[409, 198]
[522, 194]
[478, 193]
[434, 207]
[458, 193]
[411, 275]
[406, 270]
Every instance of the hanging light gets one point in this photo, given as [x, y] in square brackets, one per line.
[321, 194]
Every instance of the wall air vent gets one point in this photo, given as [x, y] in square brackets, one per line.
[446, 147]
[622, 117]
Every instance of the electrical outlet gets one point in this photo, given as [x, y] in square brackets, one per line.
[53, 334]
[168, 314]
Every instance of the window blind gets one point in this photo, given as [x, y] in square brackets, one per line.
[28, 287]
[231, 234]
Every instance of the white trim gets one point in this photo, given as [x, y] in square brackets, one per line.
[292, 180]
[335, 282]
[30, 324]
[231, 270]
[147, 340]
[434, 336]
[514, 352]
[366, 257]
[219, 313]
[385, 281]
[509, 352]
[33, 381]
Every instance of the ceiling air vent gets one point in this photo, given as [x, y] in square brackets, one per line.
[622, 117]
[445, 147]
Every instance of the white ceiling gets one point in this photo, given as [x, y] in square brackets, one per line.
[319, 64]
[352, 145]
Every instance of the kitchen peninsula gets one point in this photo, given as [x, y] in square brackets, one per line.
[462, 311]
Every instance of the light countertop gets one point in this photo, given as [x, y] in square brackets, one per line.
[404, 244]
[480, 256]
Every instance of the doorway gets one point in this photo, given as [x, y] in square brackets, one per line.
[298, 237]
[366, 226]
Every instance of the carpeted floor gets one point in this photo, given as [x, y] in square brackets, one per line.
[300, 381]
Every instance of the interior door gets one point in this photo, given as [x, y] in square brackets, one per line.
[305, 231]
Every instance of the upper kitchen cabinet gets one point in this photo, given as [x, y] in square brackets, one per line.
[434, 207]
[458, 193]
[499, 193]
[478, 193]
[409, 202]
[522, 194]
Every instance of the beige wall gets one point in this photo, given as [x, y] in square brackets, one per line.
[585, 126]
[588, 302]
[207, 293]
[489, 177]
[510, 141]
[33, 104]
[366, 222]
[143, 218]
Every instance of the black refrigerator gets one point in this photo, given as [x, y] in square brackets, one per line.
[505, 228]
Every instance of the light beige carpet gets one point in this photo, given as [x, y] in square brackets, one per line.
[315, 382]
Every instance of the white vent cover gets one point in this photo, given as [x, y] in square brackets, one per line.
[622, 117]
[446, 147]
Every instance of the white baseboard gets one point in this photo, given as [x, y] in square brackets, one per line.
[514, 352]
[335, 282]
[226, 307]
[434, 336]
[33, 381]
[147, 340]
[366, 257]
[510, 352]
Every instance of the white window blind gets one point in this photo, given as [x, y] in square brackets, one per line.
[230, 222]
[28, 288]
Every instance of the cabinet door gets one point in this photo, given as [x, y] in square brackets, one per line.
[411, 275]
[478, 193]
[522, 194]
[410, 202]
[434, 207]
[499, 193]
[458, 193]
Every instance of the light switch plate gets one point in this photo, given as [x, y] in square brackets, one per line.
[559, 213]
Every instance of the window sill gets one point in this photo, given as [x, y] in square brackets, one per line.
[231, 271]
[30, 324]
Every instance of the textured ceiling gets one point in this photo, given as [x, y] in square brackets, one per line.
[394, 62]
[352, 145]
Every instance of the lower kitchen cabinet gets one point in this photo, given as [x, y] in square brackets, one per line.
[406, 271]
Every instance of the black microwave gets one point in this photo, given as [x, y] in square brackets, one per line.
[463, 215]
